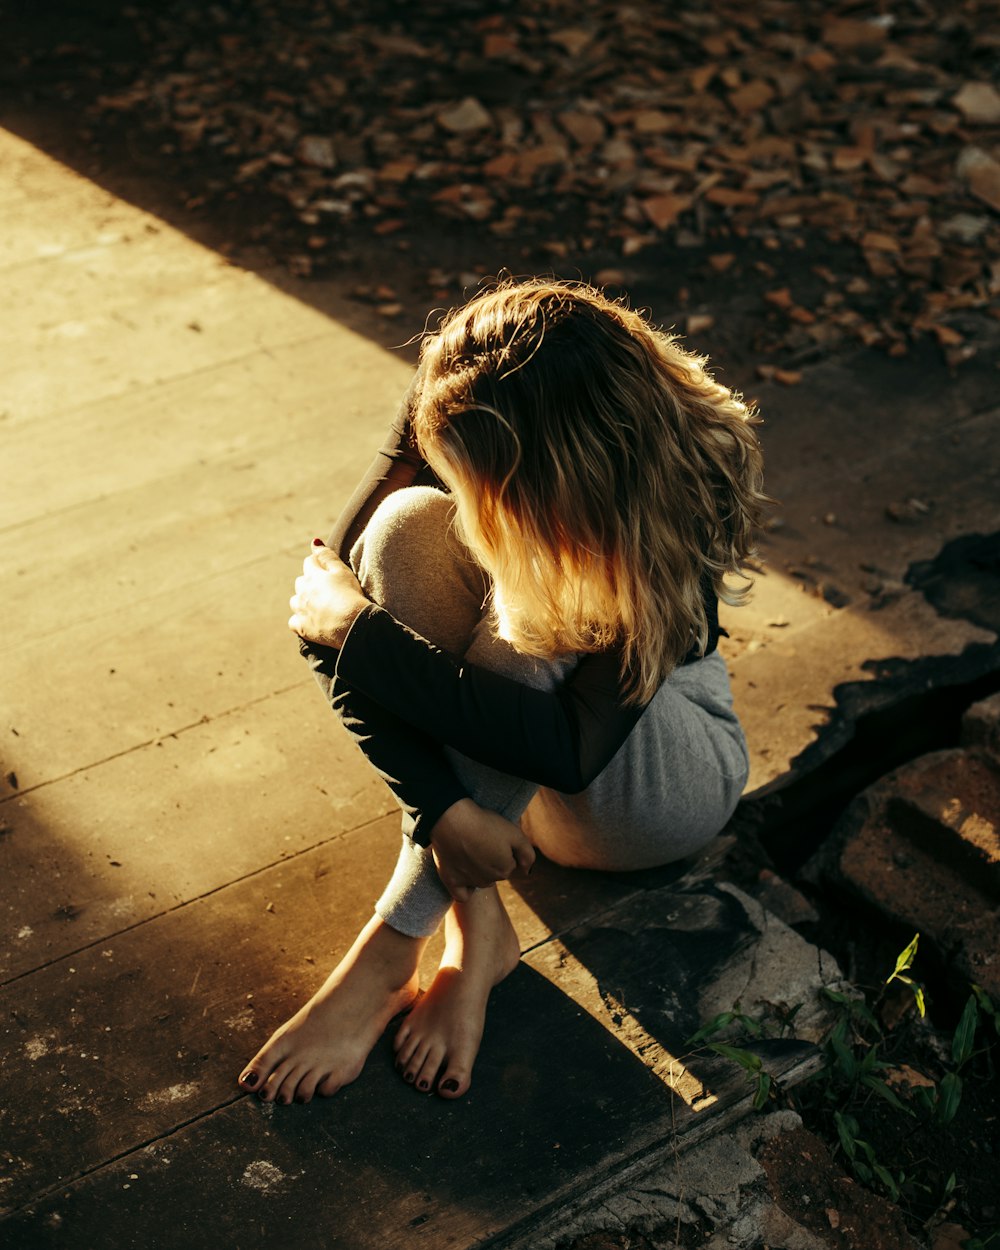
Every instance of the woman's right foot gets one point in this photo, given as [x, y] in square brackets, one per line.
[439, 1040]
[325, 1044]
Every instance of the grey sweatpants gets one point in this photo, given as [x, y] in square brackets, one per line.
[668, 790]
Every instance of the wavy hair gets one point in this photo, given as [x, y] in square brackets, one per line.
[601, 476]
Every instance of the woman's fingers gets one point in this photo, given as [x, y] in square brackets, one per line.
[524, 855]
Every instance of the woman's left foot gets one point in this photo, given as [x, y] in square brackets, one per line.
[438, 1041]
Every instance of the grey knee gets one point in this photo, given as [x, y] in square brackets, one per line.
[411, 560]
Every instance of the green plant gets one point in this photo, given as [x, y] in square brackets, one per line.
[854, 1072]
[750, 1062]
[904, 961]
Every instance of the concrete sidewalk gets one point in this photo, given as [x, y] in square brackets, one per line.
[187, 840]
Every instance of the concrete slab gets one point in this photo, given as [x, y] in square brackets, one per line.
[179, 429]
[584, 1071]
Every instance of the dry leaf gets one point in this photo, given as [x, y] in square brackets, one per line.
[652, 121]
[663, 210]
[752, 97]
[701, 77]
[572, 39]
[820, 61]
[904, 1077]
[730, 197]
[781, 298]
[585, 128]
[496, 45]
[849, 33]
[876, 241]
[721, 261]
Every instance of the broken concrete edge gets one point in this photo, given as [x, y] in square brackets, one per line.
[891, 683]
[981, 726]
[926, 858]
[587, 1210]
[787, 971]
[727, 1186]
[783, 963]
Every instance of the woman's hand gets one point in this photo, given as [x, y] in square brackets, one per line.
[327, 600]
[474, 847]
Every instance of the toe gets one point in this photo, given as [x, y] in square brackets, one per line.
[406, 1052]
[309, 1083]
[287, 1089]
[415, 1062]
[429, 1069]
[270, 1087]
[403, 1035]
[328, 1087]
[251, 1077]
[454, 1083]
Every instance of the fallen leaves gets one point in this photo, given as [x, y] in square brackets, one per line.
[724, 127]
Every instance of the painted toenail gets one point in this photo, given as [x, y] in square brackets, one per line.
[250, 1079]
[422, 1085]
[408, 1076]
[450, 1085]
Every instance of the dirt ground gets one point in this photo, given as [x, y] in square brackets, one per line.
[780, 182]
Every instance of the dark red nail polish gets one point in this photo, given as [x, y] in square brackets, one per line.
[422, 1085]
[408, 1077]
[318, 542]
[451, 1085]
[250, 1079]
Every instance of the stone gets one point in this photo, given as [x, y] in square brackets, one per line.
[921, 847]
[981, 726]
[317, 151]
[465, 117]
[979, 103]
[778, 896]
[981, 174]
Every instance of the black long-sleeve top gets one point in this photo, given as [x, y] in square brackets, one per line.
[403, 699]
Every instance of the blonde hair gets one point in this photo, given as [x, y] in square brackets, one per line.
[601, 476]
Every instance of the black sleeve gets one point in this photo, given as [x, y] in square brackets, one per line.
[560, 738]
[411, 764]
[397, 464]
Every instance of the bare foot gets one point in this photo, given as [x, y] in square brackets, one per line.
[439, 1039]
[325, 1044]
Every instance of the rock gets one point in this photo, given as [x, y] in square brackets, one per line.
[981, 726]
[317, 151]
[979, 103]
[981, 174]
[922, 848]
[950, 1237]
[698, 323]
[779, 897]
[465, 117]
[964, 228]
